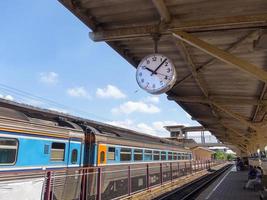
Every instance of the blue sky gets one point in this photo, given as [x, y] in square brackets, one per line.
[45, 51]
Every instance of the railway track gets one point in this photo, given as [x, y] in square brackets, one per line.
[193, 189]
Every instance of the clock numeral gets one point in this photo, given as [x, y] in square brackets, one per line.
[142, 80]
[166, 63]
[143, 67]
[168, 70]
[166, 78]
[153, 85]
[161, 82]
[154, 58]
[161, 59]
[147, 61]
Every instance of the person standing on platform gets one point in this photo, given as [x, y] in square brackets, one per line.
[257, 180]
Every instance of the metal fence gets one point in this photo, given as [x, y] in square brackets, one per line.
[114, 182]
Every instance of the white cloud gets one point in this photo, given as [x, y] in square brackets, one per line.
[124, 124]
[59, 110]
[33, 102]
[7, 97]
[138, 106]
[155, 128]
[159, 125]
[152, 99]
[78, 92]
[110, 92]
[130, 124]
[143, 127]
[49, 77]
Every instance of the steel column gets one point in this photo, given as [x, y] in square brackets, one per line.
[129, 181]
[171, 171]
[161, 174]
[99, 184]
[147, 176]
[48, 187]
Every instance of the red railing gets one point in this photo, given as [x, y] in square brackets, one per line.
[117, 181]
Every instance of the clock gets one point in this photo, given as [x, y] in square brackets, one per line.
[156, 74]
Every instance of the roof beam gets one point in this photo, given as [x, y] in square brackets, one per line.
[234, 22]
[230, 113]
[234, 131]
[224, 56]
[76, 10]
[263, 90]
[234, 139]
[235, 116]
[252, 35]
[212, 120]
[218, 99]
[162, 10]
[198, 78]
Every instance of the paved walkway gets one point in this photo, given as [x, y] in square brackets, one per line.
[229, 187]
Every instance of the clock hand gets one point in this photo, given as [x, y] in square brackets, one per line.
[154, 72]
[149, 70]
[163, 75]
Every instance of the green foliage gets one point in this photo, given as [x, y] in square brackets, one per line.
[230, 156]
[220, 155]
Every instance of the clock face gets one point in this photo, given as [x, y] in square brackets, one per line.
[156, 74]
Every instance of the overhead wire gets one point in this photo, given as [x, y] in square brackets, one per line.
[24, 97]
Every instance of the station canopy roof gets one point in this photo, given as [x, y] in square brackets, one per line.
[218, 47]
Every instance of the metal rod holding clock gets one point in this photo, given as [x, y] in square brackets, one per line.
[156, 37]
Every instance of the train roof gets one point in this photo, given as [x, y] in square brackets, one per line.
[45, 116]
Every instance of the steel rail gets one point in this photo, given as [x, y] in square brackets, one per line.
[192, 190]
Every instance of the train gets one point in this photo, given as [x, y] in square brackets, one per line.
[34, 141]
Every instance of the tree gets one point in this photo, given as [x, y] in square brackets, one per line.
[230, 156]
[219, 155]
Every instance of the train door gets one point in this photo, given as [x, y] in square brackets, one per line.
[73, 179]
[74, 158]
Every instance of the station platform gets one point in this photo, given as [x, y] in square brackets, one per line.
[229, 187]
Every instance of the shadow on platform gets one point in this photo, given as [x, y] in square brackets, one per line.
[230, 187]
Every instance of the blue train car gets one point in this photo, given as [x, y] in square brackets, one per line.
[28, 145]
[34, 141]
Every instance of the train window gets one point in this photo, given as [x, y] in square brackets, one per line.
[179, 156]
[169, 155]
[163, 155]
[8, 151]
[46, 149]
[148, 155]
[74, 156]
[138, 154]
[57, 151]
[156, 155]
[111, 153]
[126, 154]
[174, 156]
[102, 156]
